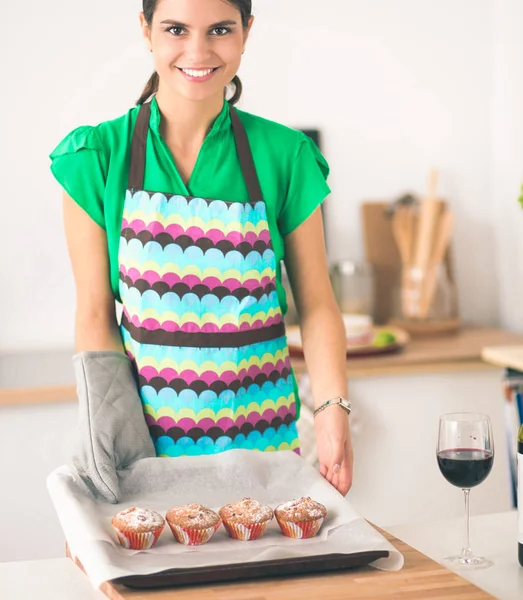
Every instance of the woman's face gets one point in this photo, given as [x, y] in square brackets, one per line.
[197, 45]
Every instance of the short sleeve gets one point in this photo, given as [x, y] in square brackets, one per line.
[79, 167]
[307, 188]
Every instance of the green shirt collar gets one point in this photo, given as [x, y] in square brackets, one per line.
[222, 123]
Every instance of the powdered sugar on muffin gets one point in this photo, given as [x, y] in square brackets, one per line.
[247, 519]
[301, 509]
[246, 510]
[195, 516]
[301, 518]
[138, 519]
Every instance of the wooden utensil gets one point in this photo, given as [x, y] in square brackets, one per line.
[429, 212]
[443, 234]
[403, 230]
[430, 208]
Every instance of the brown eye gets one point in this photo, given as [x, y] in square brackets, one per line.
[176, 30]
[220, 31]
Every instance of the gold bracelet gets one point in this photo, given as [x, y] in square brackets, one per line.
[339, 401]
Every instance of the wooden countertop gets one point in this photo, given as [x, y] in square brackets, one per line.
[421, 577]
[447, 353]
[510, 357]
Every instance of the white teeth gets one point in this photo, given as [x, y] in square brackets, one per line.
[201, 73]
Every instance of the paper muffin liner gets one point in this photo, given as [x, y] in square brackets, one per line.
[192, 537]
[301, 530]
[132, 540]
[245, 532]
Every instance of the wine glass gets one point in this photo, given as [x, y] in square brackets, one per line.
[465, 455]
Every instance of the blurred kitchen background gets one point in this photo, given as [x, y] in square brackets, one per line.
[396, 90]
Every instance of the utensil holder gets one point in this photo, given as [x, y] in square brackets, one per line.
[427, 294]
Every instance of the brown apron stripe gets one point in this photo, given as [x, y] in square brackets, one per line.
[246, 158]
[203, 340]
[138, 146]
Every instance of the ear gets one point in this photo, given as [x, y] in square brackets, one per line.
[247, 32]
[146, 32]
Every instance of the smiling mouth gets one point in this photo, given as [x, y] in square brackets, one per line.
[198, 73]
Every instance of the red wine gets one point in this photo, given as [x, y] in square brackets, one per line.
[464, 467]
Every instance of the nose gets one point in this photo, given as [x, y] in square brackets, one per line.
[198, 48]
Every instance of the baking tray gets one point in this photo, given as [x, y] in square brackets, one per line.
[255, 570]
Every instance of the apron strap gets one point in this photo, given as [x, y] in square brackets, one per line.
[138, 145]
[139, 142]
[246, 160]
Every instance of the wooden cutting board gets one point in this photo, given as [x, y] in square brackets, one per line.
[420, 578]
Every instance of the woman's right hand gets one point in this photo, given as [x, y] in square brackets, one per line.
[113, 431]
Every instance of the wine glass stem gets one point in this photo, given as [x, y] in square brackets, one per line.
[465, 550]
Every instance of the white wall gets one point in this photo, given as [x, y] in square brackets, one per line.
[396, 88]
[507, 155]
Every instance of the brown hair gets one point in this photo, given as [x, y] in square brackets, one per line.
[151, 87]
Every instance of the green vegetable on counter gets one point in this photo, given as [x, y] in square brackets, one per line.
[384, 338]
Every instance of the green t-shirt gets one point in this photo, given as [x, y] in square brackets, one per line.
[92, 165]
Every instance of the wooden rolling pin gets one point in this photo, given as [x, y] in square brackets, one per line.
[429, 213]
[443, 234]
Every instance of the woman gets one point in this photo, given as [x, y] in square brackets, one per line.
[215, 199]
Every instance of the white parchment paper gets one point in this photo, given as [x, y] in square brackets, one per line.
[160, 483]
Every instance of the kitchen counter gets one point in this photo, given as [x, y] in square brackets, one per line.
[420, 578]
[510, 357]
[493, 536]
[461, 351]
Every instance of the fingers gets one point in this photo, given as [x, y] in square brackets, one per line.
[338, 470]
[339, 475]
[331, 474]
[335, 475]
[345, 479]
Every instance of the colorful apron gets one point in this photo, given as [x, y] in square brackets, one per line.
[201, 317]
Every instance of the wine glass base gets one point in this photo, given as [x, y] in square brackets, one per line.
[467, 562]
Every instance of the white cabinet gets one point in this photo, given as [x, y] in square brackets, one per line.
[34, 440]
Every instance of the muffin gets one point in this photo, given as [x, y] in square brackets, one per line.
[247, 519]
[138, 528]
[192, 524]
[300, 518]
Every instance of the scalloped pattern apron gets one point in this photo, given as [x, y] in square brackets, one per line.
[201, 317]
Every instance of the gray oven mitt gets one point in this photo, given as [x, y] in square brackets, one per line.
[112, 430]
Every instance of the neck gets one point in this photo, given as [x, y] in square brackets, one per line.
[186, 122]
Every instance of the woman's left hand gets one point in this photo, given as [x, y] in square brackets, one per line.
[334, 445]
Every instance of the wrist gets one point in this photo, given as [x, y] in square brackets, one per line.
[340, 402]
